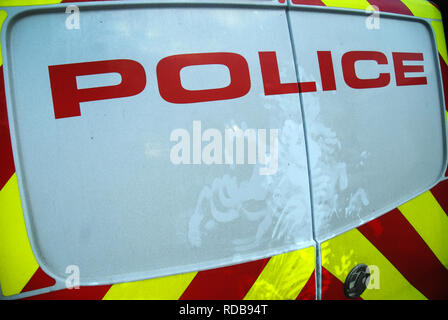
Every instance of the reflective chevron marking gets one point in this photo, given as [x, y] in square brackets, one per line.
[83, 293]
[7, 168]
[440, 38]
[229, 283]
[444, 70]
[428, 218]
[440, 192]
[39, 280]
[3, 16]
[15, 3]
[341, 254]
[166, 288]
[309, 290]
[284, 276]
[423, 9]
[350, 4]
[392, 6]
[332, 287]
[397, 240]
[17, 260]
[309, 2]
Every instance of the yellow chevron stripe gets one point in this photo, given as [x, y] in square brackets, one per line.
[3, 16]
[166, 288]
[15, 3]
[351, 4]
[437, 26]
[423, 9]
[17, 262]
[341, 254]
[430, 221]
[284, 276]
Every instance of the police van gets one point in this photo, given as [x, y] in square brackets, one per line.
[241, 149]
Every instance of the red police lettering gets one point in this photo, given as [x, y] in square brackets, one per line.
[170, 86]
[348, 66]
[271, 77]
[67, 97]
[401, 69]
[326, 70]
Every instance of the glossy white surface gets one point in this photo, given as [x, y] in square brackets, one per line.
[101, 192]
[370, 149]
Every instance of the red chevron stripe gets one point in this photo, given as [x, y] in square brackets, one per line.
[83, 293]
[444, 71]
[309, 2]
[440, 192]
[398, 241]
[392, 6]
[309, 290]
[228, 283]
[332, 287]
[7, 168]
[39, 280]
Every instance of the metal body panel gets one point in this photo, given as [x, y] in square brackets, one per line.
[370, 149]
[100, 191]
[405, 247]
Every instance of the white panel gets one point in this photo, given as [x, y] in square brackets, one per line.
[100, 189]
[370, 149]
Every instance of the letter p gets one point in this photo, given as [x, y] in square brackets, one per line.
[67, 97]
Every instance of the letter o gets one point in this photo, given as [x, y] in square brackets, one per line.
[170, 86]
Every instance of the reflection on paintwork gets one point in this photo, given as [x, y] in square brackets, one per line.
[275, 204]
